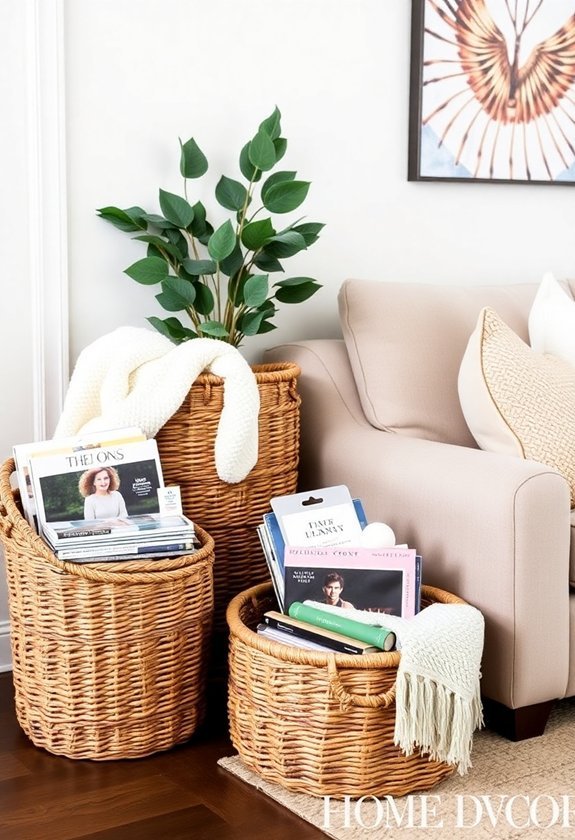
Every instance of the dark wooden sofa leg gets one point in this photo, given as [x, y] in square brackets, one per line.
[516, 724]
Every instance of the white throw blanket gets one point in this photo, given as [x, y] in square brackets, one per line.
[438, 703]
[136, 377]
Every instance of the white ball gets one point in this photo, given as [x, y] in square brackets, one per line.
[377, 535]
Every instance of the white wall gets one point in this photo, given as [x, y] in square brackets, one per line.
[33, 318]
[140, 74]
[16, 417]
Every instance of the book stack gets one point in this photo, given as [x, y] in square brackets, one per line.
[101, 497]
[320, 630]
[316, 562]
[150, 535]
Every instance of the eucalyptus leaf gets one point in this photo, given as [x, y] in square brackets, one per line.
[123, 219]
[214, 329]
[136, 214]
[268, 307]
[262, 151]
[176, 295]
[310, 231]
[200, 227]
[193, 162]
[222, 242]
[158, 221]
[248, 170]
[265, 327]
[296, 289]
[176, 209]
[204, 302]
[272, 124]
[198, 267]
[249, 322]
[276, 178]
[256, 290]
[172, 328]
[286, 196]
[256, 234]
[286, 244]
[265, 262]
[231, 194]
[148, 271]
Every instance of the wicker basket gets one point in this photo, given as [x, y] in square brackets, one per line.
[315, 722]
[231, 512]
[109, 659]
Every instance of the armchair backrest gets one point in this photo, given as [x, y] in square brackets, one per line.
[405, 343]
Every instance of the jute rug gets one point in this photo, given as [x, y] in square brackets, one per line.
[524, 789]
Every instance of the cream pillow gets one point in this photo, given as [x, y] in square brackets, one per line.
[516, 401]
[552, 320]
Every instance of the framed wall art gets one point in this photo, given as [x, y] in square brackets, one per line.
[492, 94]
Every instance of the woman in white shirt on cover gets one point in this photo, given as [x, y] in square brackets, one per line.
[99, 486]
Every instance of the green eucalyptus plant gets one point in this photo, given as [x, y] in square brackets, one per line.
[220, 278]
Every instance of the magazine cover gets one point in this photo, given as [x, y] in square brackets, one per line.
[104, 483]
[25, 452]
[380, 580]
[276, 539]
[326, 516]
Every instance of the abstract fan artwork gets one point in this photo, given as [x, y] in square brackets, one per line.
[493, 91]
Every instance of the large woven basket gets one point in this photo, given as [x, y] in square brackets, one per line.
[232, 512]
[109, 659]
[315, 722]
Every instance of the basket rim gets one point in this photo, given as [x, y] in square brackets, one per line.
[127, 571]
[268, 374]
[301, 656]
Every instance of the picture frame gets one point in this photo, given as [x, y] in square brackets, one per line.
[492, 91]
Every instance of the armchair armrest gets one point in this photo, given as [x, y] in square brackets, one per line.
[491, 528]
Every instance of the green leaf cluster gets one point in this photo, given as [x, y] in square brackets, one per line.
[220, 279]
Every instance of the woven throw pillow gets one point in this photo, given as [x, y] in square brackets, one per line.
[516, 401]
[552, 320]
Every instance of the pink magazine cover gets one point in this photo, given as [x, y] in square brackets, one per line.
[375, 579]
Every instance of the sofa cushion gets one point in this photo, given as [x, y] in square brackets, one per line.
[572, 551]
[517, 401]
[552, 320]
[405, 343]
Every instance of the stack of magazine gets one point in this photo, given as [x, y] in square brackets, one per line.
[101, 497]
[312, 546]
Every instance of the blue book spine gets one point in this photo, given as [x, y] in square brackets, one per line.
[418, 562]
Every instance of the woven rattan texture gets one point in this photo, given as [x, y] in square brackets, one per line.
[232, 512]
[315, 722]
[109, 659]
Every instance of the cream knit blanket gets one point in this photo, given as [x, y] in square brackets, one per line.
[136, 377]
[438, 703]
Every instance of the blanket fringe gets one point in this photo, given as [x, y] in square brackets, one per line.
[433, 719]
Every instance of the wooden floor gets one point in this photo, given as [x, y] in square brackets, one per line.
[179, 795]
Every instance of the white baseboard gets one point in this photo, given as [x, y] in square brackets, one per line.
[5, 652]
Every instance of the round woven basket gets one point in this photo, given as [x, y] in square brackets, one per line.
[314, 722]
[232, 512]
[109, 659]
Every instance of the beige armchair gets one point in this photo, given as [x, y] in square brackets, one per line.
[381, 413]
